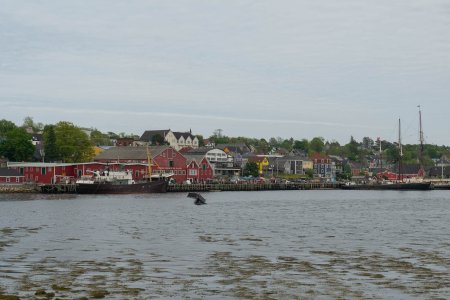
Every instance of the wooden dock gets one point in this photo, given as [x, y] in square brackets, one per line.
[250, 187]
[174, 188]
[59, 188]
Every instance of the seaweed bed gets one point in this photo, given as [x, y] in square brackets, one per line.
[309, 275]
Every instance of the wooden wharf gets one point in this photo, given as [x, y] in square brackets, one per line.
[71, 188]
[59, 188]
[249, 187]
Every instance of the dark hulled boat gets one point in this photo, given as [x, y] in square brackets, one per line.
[403, 186]
[400, 184]
[118, 183]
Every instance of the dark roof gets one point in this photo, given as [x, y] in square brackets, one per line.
[148, 134]
[5, 172]
[183, 134]
[129, 153]
[199, 151]
[237, 148]
[410, 169]
[437, 171]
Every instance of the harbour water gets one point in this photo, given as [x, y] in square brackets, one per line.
[322, 244]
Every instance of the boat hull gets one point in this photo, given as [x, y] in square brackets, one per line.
[110, 188]
[417, 186]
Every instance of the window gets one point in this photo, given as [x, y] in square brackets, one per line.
[43, 171]
[8, 179]
[203, 166]
[192, 172]
[17, 179]
[171, 164]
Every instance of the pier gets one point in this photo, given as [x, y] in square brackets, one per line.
[250, 187]
[176, 188]
[61, 188]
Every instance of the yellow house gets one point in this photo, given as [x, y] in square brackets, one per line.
[308, 165]
[261, 162]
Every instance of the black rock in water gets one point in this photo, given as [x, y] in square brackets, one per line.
[199, 200]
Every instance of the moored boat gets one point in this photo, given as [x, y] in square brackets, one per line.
[405, 186]
[121, 182]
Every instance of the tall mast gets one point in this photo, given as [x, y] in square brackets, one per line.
[421, 149]
[149, 161]
[380, 159]
[400, 149]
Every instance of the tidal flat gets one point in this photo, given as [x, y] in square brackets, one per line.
[242, 245]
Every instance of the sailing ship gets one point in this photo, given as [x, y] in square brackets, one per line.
[400, 184]
[122, 182]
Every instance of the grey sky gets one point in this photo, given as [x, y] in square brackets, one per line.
[252, 68]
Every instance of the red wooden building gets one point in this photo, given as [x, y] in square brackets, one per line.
[199, 169]
[165, 160]
[44, 173]
[10, 176]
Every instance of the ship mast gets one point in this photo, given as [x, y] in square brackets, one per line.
[380, 163]
[149, 161]
[421, 149]
[400, 151]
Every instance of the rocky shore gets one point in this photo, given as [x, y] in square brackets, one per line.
[18, 188]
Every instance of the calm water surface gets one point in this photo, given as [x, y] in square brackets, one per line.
[241, 245]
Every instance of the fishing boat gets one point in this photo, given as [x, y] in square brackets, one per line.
[400, 184]
[405, 186]
[122, 182]
[108, 182]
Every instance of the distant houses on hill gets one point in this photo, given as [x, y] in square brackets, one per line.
[177, 140]
[180, 154]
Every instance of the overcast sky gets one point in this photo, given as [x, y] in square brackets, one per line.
[251, 68]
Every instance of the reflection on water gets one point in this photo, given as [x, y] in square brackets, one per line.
[249, 245]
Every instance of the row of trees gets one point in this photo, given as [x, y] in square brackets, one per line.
[66, 142]
[353, 150]
[62, 142]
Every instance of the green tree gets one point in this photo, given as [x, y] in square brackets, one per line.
[352, 150]
[98, 138]
[317, 145]
[251, 169]
[201, 140]
[73, 144]
[288, 144]
[309, 173]
[334, 148]
[17, 145]
[368, 143]
[50, 146]
[262, 146]
[5, 127]
[28, 122]
[302, 145]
